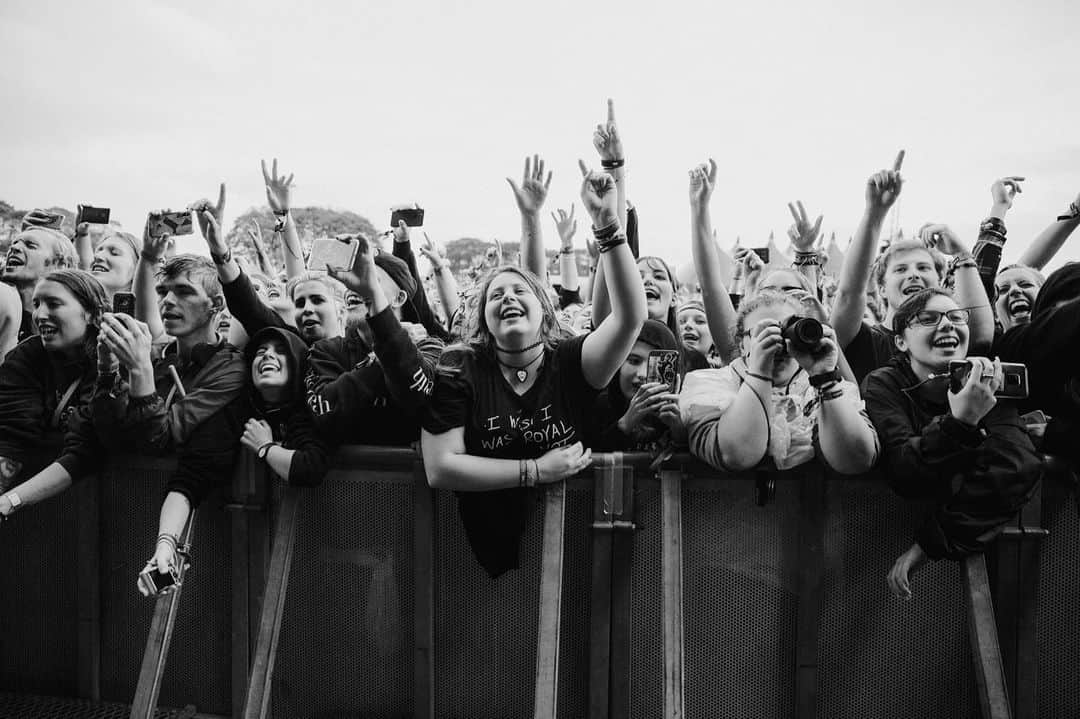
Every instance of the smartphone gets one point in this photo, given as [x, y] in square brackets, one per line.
[762, 252]
[157, 582]
[172, 223]
[663, 366]
[93, 215]
[413, 216]
[1014, 384]
[333, 252]
[124, 304]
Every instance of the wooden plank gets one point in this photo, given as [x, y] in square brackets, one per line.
[811, 565]
[88, 587]
[986, 653]
[424, 589]
[273, 607]
[241, 540]
[551, 573]
[621, 605]
[1026, 682]
[672, 571]
[600, 612]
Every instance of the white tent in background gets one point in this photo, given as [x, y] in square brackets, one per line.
[835, 255]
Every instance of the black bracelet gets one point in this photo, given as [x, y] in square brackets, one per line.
[612, 164]
[831, 394]
[566, 251]
[221, 259]
[609, 245]
[820, 380]
[607, 231]
[993, 224]
[1074, 213]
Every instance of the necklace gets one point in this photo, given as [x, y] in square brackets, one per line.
[521, 371]
[534, 345]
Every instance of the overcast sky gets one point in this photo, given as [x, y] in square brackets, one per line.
[139, 105]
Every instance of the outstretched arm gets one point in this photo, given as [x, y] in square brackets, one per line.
[719, 310]
[279, 197]
[1045, 246]
[444, 278]
[143, 285]
[882, 189]
[805, 238]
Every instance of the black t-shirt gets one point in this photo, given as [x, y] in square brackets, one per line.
[471, 392]
[871, 347]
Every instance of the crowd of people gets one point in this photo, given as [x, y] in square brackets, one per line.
[922, 359]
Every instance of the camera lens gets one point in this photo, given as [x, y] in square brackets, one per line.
[804, 333]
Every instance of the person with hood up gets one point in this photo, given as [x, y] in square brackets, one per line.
[271, 419]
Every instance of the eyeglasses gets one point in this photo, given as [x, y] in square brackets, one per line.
[932, 318]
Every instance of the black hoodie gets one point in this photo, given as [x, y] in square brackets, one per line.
[1050, 347]
[980, 477]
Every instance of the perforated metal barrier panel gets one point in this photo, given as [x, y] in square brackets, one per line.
[1057, 628]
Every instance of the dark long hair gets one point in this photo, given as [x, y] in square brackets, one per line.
[90, 294]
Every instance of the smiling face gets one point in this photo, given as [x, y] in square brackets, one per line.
[512, 311]
[60, 319]
[184, 305]
[31, 255]
[931, 348]
[633, 371]
[659, 290]
[908, 272]
[316, 311]
[114, 264]
[270, 368]
[1016, 288]
[694, 330]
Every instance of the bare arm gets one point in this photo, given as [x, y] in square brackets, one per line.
[1049, 241]
[882, 190]
[279, 197]
[83, 247]
[445, 282]
[530, 198]
[566, 226]
[47, 483]
[719, 310]
[143, 286]
[609, 145]
[848, 441]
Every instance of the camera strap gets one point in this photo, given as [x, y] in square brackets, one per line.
[65, 399]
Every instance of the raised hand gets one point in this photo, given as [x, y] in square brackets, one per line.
[361, 277]
[533, 191]
[254, 232]
[566, 226]
[883, 188]
[204, 206]
[606, 139]
[942, 238]
[154, 246]
[702, 182]
[434, 252]
[766, 340]
[803, 234]
[127, 338]
[1004, 190]
[278, 189]
[211, 232]
[599, 197]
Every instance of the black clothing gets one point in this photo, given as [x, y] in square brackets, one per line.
[870, 348]
[360, 398]
[980, 477]
[471, 392]
[247, 309]
[33, 382]
[417, 309]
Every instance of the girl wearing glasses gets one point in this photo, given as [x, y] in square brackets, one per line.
[965, 450]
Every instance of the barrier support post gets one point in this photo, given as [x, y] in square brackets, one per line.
[551, 572]
[811, 566]
[672, 570]
[986, 653]
[424, 587]
[88, 578]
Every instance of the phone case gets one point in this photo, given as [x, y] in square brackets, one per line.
[124, 303]
[172, 223]
[414, 217]
[330, 252]
[93, 215]
[663, 366]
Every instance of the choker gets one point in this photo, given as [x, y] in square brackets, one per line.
[521, 371]
[534, 345]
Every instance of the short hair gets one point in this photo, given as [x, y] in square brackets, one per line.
[199, 270]
[914, 305]
[764, 298]
[63, 250]
[336, 289]
[881, 264]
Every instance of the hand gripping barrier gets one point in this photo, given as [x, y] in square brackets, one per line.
[641, 593]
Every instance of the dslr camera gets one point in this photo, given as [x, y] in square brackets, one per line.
[804, 333]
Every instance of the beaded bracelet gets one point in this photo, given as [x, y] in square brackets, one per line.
[831, 394]
[609, 245]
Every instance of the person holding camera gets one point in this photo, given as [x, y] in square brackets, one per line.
[510, 407]
[959, 446]
[783, 402]
[270, 419]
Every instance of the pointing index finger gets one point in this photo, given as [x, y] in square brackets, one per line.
[611, 111]
[899, 161]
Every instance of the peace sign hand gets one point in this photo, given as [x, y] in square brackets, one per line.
[803, 234]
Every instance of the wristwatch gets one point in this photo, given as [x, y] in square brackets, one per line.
[222, 258]
[263, 450]
[15, 501]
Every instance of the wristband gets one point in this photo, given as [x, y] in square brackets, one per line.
[819, 381]
[831, 394]
[607, 231]
[609, 245]
[807, 259]
[566, 251]
[280, 218]
[612, 164]
[221, 259]
[536, 473]
[1074, 213]
[263, 450]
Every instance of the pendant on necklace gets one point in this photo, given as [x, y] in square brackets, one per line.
[522, 375]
